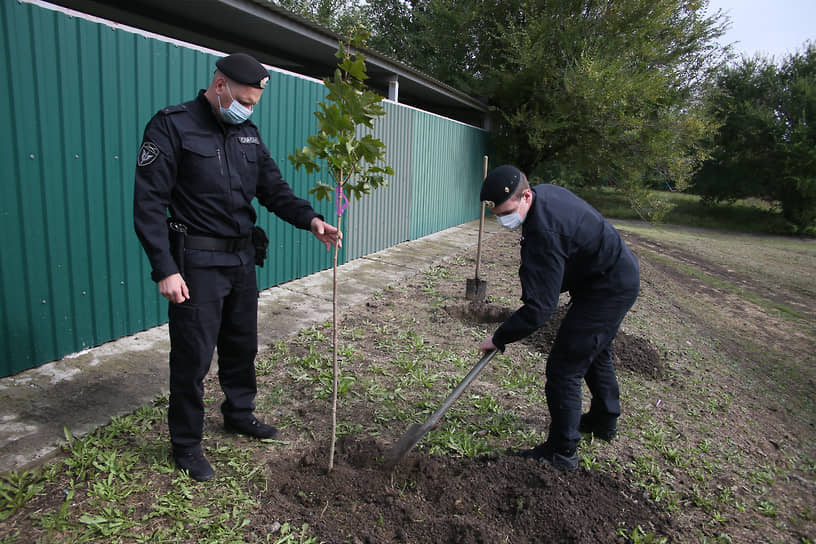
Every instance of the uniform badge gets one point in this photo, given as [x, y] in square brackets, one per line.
[263, 82]
[147, 153]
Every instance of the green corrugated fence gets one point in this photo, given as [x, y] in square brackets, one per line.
[79, 93]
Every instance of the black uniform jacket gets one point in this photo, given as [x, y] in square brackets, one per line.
[206, 173]
[566, 245]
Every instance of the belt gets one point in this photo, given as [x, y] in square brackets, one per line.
[209, 243]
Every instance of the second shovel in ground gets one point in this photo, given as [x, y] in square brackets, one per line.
[476, 289]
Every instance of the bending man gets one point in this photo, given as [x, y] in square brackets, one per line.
[566, 246]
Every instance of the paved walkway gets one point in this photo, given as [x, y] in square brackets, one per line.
[84, 391]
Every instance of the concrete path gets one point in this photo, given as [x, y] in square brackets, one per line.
[85, 390]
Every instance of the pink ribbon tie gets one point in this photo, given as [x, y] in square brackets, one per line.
[342, 200]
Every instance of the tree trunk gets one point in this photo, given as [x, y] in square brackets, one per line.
[335, 366]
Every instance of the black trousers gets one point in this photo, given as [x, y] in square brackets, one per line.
[583, 351]
[222, 312]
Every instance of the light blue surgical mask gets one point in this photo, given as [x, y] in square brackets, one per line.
[237, 113]
[510, 221]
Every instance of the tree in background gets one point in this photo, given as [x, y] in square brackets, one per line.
[594, 92]
[446, 40]
[797, 186]
[344, 17]
[582, 91]
[766, 146]
[745, 143]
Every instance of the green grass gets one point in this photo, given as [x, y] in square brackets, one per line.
[760, 301]
[749, 216]
[108, 478]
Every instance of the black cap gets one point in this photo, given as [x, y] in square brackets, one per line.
[244, 69]
[500, 184]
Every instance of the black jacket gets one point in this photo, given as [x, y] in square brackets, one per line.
[206, 173]
[566, 245]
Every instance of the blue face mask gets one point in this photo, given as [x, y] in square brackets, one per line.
[511, 221]
[237, 113]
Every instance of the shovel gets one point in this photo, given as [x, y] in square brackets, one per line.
[476, 289]
[416, 431]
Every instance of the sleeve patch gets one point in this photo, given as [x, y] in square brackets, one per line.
[147, 153]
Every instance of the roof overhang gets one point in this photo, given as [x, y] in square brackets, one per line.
[282, 39]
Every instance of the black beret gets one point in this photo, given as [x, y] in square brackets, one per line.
[244, 69]
[500, 184]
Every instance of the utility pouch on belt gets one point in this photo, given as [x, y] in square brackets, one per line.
[177, 233]
[261, 242]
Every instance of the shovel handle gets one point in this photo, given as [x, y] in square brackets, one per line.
[475, 371]
[416, 431]
[481, 223]
[479, 244]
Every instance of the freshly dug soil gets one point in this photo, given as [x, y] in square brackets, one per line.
[435, 499]
[432, 499]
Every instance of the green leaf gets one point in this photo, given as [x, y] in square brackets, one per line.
[304, 158]
[355, 68]
[347, 106]
[334, 120]
[322, 191]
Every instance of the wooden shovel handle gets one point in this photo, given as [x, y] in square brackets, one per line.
[481, 224]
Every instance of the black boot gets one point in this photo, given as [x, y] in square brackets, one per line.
[544, 452]
[251, 427]
[605, 430]
[194, 462]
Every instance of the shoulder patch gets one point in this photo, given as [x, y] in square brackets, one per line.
[249, 140]
[148, 153]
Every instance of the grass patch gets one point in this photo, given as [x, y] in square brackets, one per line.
[749, 215]
[760, 301]
[118, 484]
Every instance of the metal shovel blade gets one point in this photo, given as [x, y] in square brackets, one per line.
[416, 431]
[476, 290]
[405, 444]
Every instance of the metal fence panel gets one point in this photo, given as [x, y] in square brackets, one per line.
[447, 173]
[66, 222]
[73, 274]
[382, 218]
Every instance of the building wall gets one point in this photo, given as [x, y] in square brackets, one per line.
[79, 93]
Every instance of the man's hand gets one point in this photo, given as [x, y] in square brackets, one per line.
[487, 345]
[326, 233]
[174, 289]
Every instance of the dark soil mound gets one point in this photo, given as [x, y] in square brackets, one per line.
[542, 340]
[637, 355]
[450, 500]
[479, 312]
[629, 352]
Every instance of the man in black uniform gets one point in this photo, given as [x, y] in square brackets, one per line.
[566, 245]
[204, 162]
